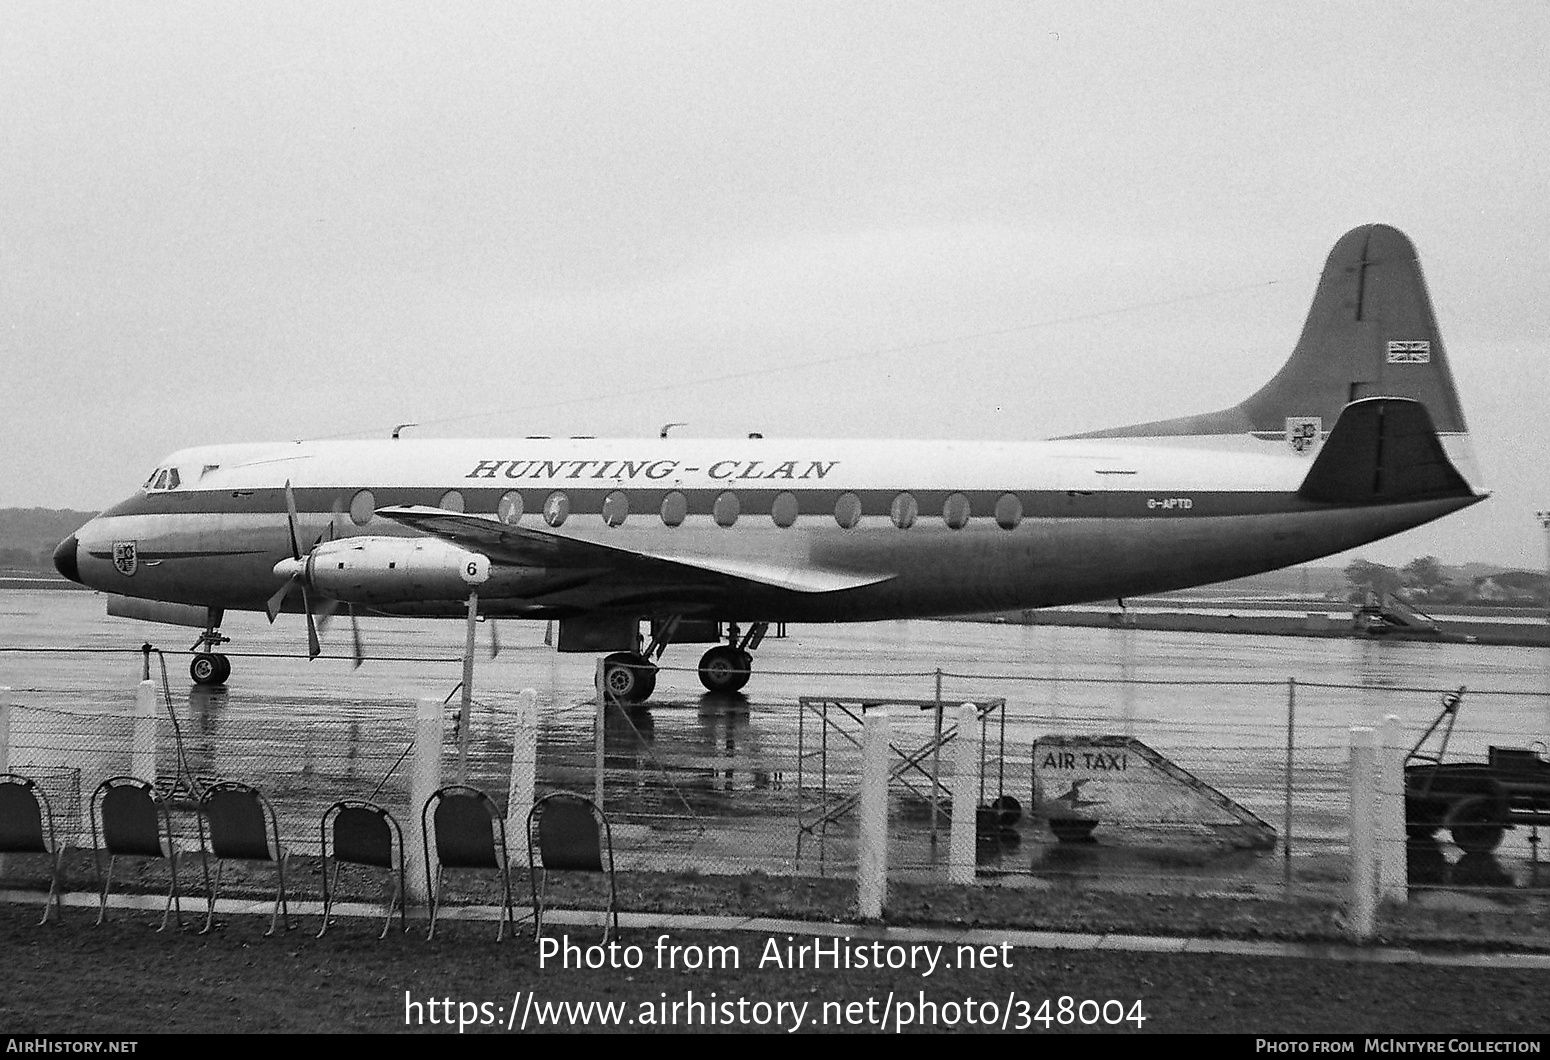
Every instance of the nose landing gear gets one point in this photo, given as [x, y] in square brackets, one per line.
[208, 666]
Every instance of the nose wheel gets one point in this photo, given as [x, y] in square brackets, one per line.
[209, 668]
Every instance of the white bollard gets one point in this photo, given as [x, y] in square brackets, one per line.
[424, 780]
[1393, 881]
[872, 840]
[524, 772]
[1362, 903]
[966, 783]
[142, 759]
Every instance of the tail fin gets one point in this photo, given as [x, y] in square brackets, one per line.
[1370, 333]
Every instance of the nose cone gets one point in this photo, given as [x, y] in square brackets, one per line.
[64, 559]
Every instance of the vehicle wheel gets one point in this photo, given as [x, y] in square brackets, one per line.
[205, 669]
[628, 677]
[725, 669]
[1422, 819]
[1007, 809]
[1477, 825]
[225, 669]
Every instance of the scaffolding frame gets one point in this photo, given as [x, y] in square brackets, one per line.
[841, 718]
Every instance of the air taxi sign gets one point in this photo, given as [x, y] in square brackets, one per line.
[1120, 781]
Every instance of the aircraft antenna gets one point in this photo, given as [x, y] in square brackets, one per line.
[400, 427]
[667, 427]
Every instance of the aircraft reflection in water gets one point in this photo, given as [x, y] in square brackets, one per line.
[1360, 435]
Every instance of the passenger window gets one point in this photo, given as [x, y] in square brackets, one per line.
[556, 508]
[955, 512]
[904, 511]
[616, 508]
[847, 510]
[675, 506]
[1009, 511]
[784, 510]
[726, 509]
[451, 501]
[362, 505]
[509, 508]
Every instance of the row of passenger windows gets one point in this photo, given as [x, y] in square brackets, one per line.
[727, 509]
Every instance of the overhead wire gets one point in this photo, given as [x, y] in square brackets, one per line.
[816, 362]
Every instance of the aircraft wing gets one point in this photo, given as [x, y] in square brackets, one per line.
[530, 546]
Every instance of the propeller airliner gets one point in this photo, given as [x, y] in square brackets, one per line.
[1360, 435]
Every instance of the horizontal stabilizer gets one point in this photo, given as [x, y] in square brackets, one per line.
[1382, 451]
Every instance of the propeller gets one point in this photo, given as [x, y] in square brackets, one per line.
[296, 570]
[326, 614]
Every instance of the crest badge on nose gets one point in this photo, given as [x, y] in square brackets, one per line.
[125, 558]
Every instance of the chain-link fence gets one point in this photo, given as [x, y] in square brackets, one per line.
[728, 785]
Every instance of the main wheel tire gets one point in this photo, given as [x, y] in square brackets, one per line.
[225, 664]
[1477, 824]
[628, 677]
[205, 669]
[725, 669]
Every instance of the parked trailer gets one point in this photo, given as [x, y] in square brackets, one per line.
[1475, 801]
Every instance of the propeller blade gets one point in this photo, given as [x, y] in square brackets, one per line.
[278, 599]
[290, 512]
[314, 648]
[326, 612]
[335, 525]
[355, 631]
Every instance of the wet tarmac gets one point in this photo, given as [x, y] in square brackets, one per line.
[724, 784]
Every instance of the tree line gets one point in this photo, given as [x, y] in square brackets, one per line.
[1425, 581]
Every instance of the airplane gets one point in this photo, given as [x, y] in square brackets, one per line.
[1359, 436]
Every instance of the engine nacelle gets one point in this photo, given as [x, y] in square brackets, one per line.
[390, 570]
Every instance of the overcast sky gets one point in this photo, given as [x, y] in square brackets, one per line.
[238, 222]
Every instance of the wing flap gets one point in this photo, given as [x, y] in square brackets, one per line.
[530, 546]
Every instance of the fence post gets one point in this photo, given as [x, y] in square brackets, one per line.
[1361, 907]
[966, 779]
[872, 842]
[424, 779]
[599, 727]
[1286, 815]
[524, 770]
[5, 729]
[1393, 883]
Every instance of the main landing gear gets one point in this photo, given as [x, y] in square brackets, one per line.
[210, 667]
[727, 667]
[631, 676]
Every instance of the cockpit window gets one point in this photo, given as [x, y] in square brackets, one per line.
[163, 478]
